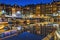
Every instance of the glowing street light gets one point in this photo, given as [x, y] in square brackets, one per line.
[18, 12]
[3, 12]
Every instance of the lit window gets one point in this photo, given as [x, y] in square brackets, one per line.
[27, 7]
[38, 7]
[54, 8]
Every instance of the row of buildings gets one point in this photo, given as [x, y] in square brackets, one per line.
[37, 10]
[32, 9]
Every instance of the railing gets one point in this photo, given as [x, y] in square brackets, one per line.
[8, 34]
[57, 36]
[48, 37]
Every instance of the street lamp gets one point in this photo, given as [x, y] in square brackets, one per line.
[3, 12]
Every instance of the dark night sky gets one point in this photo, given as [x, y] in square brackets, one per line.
[24, 2]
